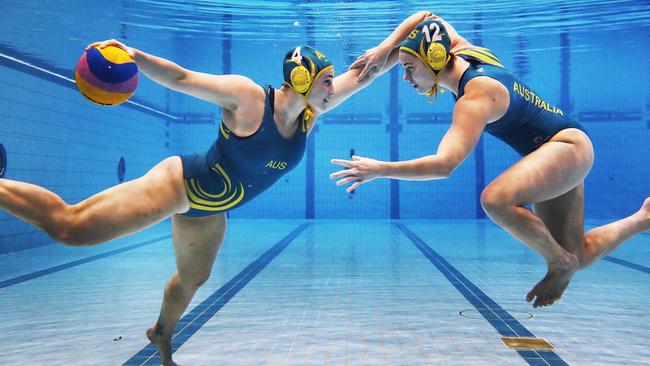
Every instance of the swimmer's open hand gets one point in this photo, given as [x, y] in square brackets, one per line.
[432, 16]
[112, 42]
[359, 170]
[372, 61]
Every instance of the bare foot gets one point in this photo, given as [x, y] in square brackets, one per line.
[164, 344]
[552, 286]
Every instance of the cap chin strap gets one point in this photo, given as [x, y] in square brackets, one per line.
[305, 96]
[433, 92]
[307, 119]
[309, 111]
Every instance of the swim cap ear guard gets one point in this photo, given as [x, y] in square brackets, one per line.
[302, 66]
[429, 43]
[300, 79]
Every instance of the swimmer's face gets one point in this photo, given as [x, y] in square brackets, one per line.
[322, 90]
[416, 73]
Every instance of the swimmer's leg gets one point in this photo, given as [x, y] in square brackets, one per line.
[602, 240]
[117, 211]
[196, 244]
[564, 218]
[552, 170]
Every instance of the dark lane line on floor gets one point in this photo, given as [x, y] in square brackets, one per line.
[78, 262]
[197, 317]
[499, 318]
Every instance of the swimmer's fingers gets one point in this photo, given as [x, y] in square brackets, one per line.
[350, 177]
[345, 180]
[374, 60]
[359, 62]
[111, 42]
[370, 68]
[432, 16]
[104, 44]
[345, 163]
[94, 44]
[371, 61]
[354, 186]
[344, 173]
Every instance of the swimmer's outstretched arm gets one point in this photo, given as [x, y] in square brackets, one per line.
[357, 77]
[375, 59]
[457, 41]
[348, 84]
[471, 113]
[227, 91]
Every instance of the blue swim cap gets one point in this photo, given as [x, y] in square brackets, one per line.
[302, 66]
[429, 43]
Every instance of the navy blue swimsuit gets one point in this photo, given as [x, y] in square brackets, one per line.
[237, 169]
[529, 121]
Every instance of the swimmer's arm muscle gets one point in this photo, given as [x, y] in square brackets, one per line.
[224, 90]
[404, 29]
[347, 84]
[379, 59]
[471, 114]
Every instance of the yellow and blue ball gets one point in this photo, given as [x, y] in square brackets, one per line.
[106, 76]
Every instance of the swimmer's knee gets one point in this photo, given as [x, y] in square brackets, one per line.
[169, 167]
[201, 280]
[195, 280]
[494, 201]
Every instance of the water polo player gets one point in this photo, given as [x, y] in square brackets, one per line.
[261, 138]
[556, 152]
